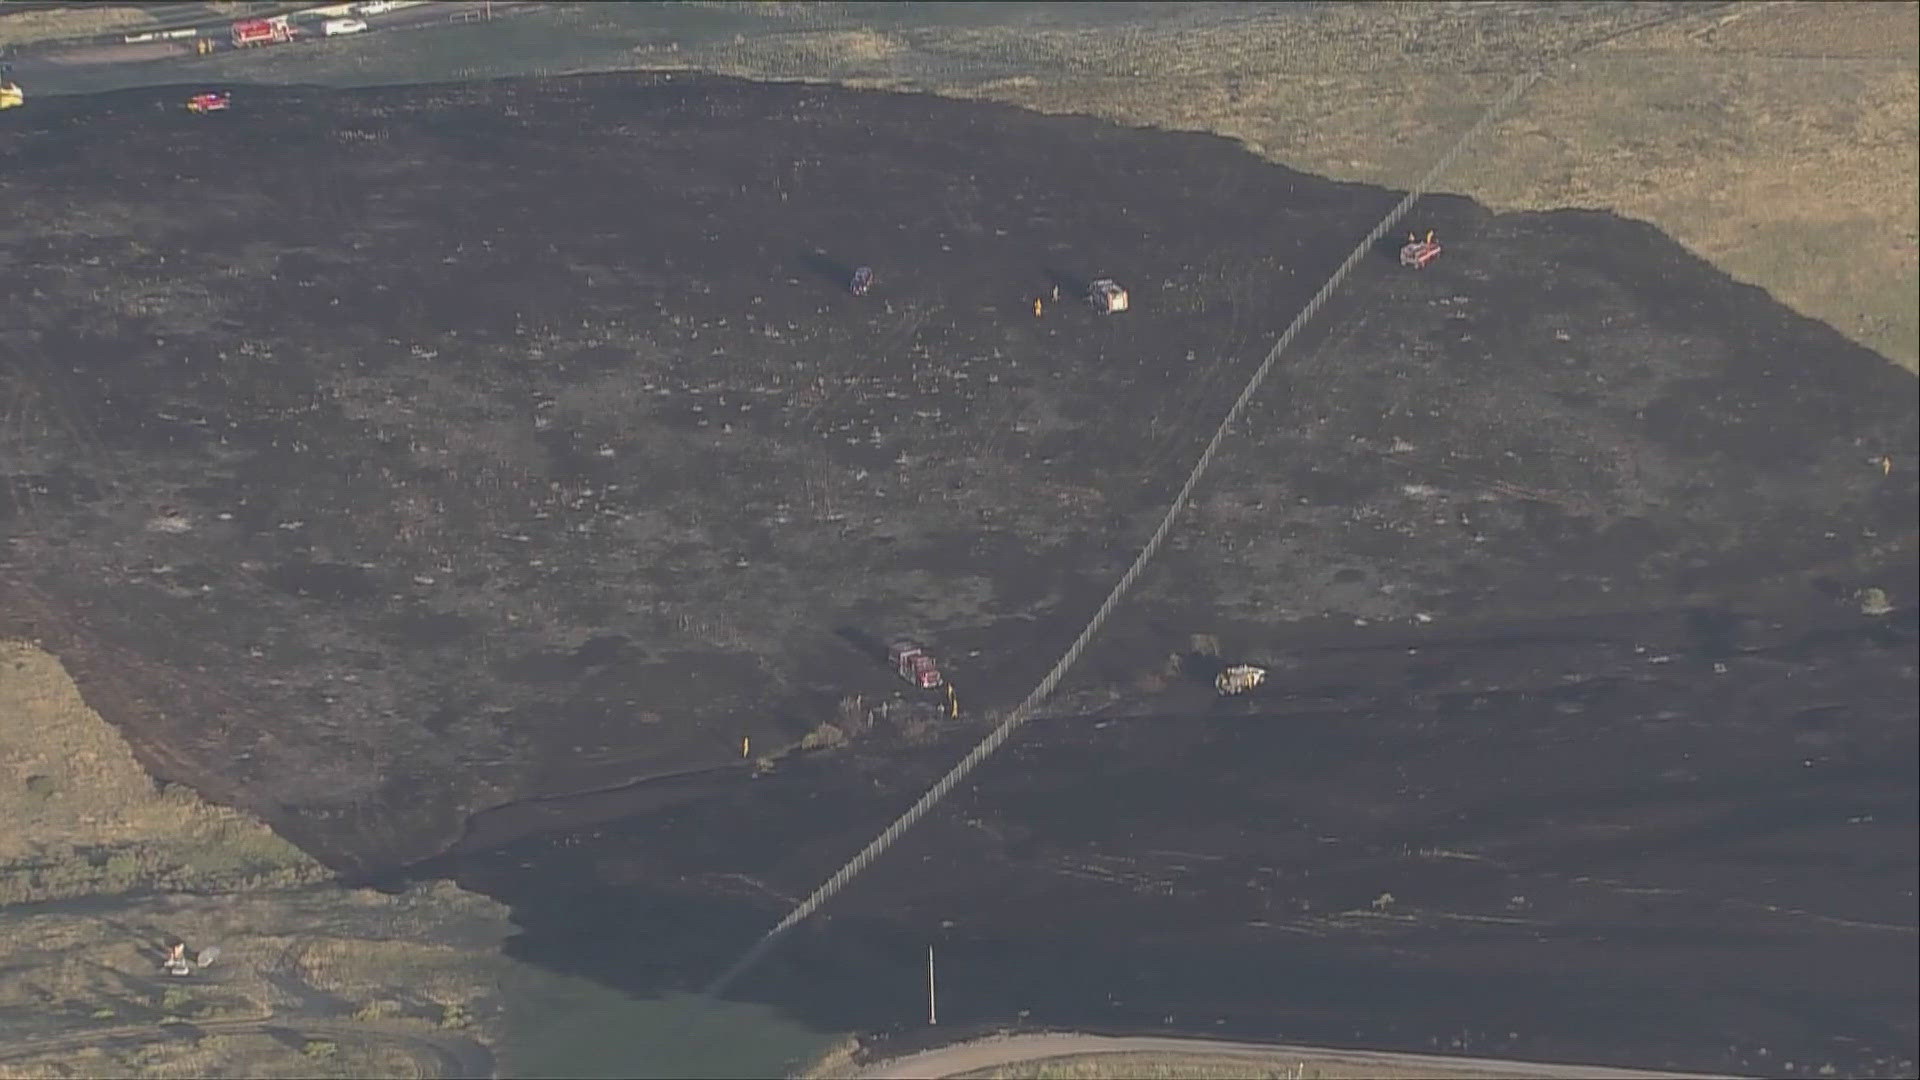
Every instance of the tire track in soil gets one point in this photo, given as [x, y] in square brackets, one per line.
[434, 1054]
[455, 1056]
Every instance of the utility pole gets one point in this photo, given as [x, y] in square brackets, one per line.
[933, 1015]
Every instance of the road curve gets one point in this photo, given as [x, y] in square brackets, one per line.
[1013, 1049]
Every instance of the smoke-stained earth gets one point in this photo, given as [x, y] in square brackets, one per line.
[483, 469]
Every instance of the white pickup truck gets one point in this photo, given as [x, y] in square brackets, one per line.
[375, 7]
[336, 27]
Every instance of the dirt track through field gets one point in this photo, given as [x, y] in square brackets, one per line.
[436, 1055]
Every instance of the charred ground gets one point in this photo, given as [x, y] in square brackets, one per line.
[384, 458]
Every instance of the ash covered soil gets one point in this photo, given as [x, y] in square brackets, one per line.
[462, 473]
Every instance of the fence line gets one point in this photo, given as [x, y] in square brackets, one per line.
[1025, 709]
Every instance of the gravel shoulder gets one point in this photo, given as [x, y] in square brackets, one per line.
[1096, 1055]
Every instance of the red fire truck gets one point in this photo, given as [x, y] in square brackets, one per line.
[274, 31]
[915, 666]
[1418, 253]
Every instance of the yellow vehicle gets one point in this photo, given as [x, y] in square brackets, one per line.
[11, 96]
[1239, 679]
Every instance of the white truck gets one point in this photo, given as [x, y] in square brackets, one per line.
[1107, 297]
[337, 27]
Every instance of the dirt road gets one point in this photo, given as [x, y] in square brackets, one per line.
[1010, 1050]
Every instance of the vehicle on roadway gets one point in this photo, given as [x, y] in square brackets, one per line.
[274, 31]
[373, 7]
[212, 101]
[11, 96]
[862, 281]
[336, 27]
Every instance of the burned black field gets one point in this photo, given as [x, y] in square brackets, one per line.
[456, 476]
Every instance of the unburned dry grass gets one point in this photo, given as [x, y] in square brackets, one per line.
[109, 870]
[80, 817]
[1777, 141]
[25, 27]
[350, 968]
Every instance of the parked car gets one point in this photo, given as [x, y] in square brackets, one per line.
[375, 7]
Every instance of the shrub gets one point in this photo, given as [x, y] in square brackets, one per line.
[826, 735]
[853, 713]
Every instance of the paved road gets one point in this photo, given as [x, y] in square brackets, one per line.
[31, 66]
[1012, 1049]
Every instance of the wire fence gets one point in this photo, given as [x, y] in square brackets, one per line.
[1025, 710]
[1542, 47]
[1158, 65]
[1168, 55]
